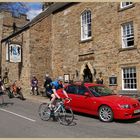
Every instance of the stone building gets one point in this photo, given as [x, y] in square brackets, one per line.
[9, 23]
[80, 41]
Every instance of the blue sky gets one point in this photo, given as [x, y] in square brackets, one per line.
[34, 9]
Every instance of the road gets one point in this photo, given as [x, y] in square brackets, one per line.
[19, 119]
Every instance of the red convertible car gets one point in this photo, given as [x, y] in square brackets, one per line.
[99, 100]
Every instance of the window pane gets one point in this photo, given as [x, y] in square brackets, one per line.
[82, 90]
[71, 89]
[128, 35]
[86, 25]
[129, 78]
[130, 43]
[89, 33]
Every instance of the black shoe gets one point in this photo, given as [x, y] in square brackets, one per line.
[52, 112]
[54, 118]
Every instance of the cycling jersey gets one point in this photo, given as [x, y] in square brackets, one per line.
[55, 85]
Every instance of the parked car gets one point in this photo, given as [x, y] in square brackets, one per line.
[99, 100]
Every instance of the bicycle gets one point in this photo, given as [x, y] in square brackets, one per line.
[59, 112]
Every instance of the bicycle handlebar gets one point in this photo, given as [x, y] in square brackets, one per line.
[67, 99]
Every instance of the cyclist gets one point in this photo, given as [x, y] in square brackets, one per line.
[57, 84]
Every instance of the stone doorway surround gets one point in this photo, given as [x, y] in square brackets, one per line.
[83, 67]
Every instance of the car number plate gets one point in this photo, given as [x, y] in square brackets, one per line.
[137, 111]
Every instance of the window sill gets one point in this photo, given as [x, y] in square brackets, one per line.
[125, 8]
[113, 84]
[129, 92]
[127, 49]
[86, 40]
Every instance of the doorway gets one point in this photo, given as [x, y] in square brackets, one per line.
[87, 75]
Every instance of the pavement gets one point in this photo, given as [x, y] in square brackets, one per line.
[40, 98]
[36, 98]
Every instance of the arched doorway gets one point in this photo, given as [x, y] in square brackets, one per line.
[87, 75]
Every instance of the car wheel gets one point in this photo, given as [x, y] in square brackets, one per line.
[105, 113]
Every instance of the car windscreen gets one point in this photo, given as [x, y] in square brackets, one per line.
[100, 91]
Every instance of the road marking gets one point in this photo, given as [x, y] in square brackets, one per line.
[18, 115]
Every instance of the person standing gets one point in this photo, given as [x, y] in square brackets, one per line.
[100, 79]
[47, 85]
[5, 79]
[1, 90]
[6, 83]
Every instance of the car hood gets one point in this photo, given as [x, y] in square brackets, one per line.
[119, 99]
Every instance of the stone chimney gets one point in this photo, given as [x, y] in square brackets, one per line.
[45, 5]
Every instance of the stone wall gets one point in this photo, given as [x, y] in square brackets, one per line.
[40, 49]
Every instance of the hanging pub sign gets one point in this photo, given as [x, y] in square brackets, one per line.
[15, 53]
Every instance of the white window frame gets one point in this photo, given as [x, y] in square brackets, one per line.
[130, 78]
[125, 4]
[127, 30]
[86, 31]
[7, 52]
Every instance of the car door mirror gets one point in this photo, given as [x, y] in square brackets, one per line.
[87, 94]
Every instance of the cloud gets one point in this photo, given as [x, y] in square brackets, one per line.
[33, 12]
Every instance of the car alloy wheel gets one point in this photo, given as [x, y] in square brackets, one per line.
[105, 113]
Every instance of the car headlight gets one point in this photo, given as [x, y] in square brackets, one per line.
[124, 106]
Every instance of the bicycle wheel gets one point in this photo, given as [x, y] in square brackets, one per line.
[65, 116]
[44, 112]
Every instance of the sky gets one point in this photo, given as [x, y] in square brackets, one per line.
[34, 9]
